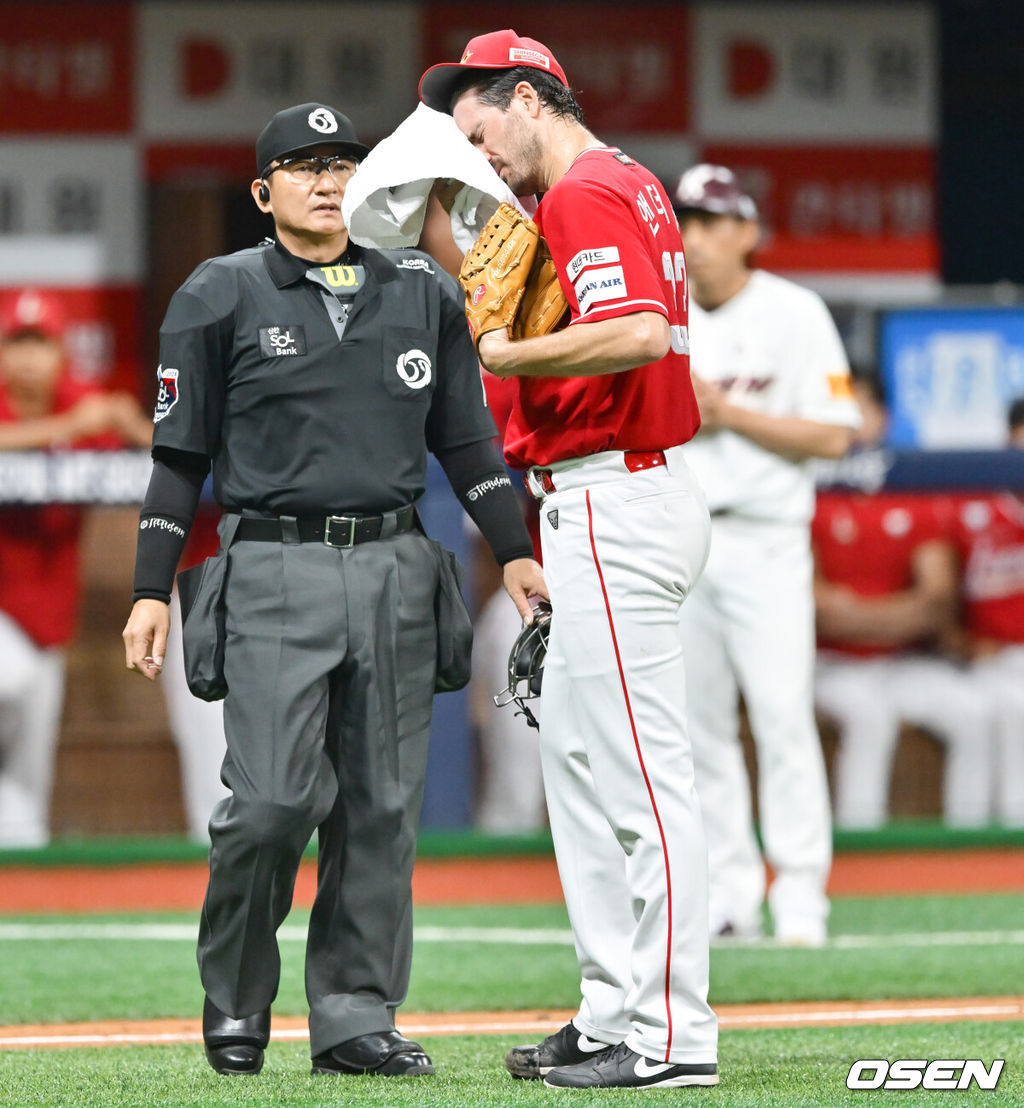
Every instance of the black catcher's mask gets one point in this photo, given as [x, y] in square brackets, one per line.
[526, 664]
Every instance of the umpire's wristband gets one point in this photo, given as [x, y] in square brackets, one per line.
[158, 551]
[493, 506]
[482, 484]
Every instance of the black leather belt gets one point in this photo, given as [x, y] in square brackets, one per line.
[340, 531]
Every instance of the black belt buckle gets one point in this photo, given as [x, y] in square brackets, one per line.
[340, 521]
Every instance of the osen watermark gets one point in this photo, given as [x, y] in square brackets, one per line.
[913, 1073]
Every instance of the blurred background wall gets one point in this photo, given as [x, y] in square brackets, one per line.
[881, 140]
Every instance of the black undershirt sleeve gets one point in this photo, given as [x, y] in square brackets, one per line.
[481, 482]
[165, 520]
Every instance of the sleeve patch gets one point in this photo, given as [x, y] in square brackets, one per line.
[597, 285]
[586, 258]
[167, 396]
[840, 386]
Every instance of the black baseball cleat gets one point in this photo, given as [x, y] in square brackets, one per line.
[622, 1068]
[567, 1047]
[385, 1053]
[235, 1046]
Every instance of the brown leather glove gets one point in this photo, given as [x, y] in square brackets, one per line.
[510, 280]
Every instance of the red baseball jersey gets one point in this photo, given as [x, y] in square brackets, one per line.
[615, 240]
[867, 542]
[39, 562]
[989, 534]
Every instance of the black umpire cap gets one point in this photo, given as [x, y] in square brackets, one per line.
[302, 127]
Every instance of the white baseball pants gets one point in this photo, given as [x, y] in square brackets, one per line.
[869, 698]
[31, 701]
[749, 627]
[1000, 680]
[621, 552]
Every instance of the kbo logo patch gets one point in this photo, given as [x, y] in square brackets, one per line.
[167, 394]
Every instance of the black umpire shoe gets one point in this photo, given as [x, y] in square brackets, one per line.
[621, 1068]
[567, 1047]
[235, 1046]
[386, 1053]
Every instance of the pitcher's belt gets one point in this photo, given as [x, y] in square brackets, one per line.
[543, 480]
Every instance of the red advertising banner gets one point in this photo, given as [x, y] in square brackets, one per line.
[227, 161]
[848, 209]
[66, 68]
[628, 64]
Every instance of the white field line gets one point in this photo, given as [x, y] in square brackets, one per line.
[505, 936]
[511, 1023]
[947, 1011]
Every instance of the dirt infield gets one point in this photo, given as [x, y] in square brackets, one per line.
[731, 1017]
[171, 887]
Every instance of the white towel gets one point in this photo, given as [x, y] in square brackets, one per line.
[385, 201]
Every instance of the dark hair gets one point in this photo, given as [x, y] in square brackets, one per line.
[496, 87]
[1015, 416]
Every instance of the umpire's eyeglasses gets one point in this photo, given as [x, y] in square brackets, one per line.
[306, 169]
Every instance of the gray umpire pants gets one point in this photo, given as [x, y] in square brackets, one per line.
[330, 661]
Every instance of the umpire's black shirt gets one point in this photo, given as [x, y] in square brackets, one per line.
[297, 421]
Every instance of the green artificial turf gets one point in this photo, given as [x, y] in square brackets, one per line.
[759, 1069]
[902, 947]
[906, 834]
[882, 947]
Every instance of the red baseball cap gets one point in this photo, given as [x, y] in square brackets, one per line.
[32, 310]
[495, 50]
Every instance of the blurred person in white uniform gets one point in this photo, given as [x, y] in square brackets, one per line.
[988, 530]
[773, 386]
[886, 584]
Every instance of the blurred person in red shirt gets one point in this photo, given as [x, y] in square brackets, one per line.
[989, 535]
[42, 407]
[886, 584]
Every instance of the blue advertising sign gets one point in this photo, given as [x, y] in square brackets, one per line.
[950, 374]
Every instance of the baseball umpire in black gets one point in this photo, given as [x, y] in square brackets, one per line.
[315, 376]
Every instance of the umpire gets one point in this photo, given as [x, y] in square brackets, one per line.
[315, 376]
